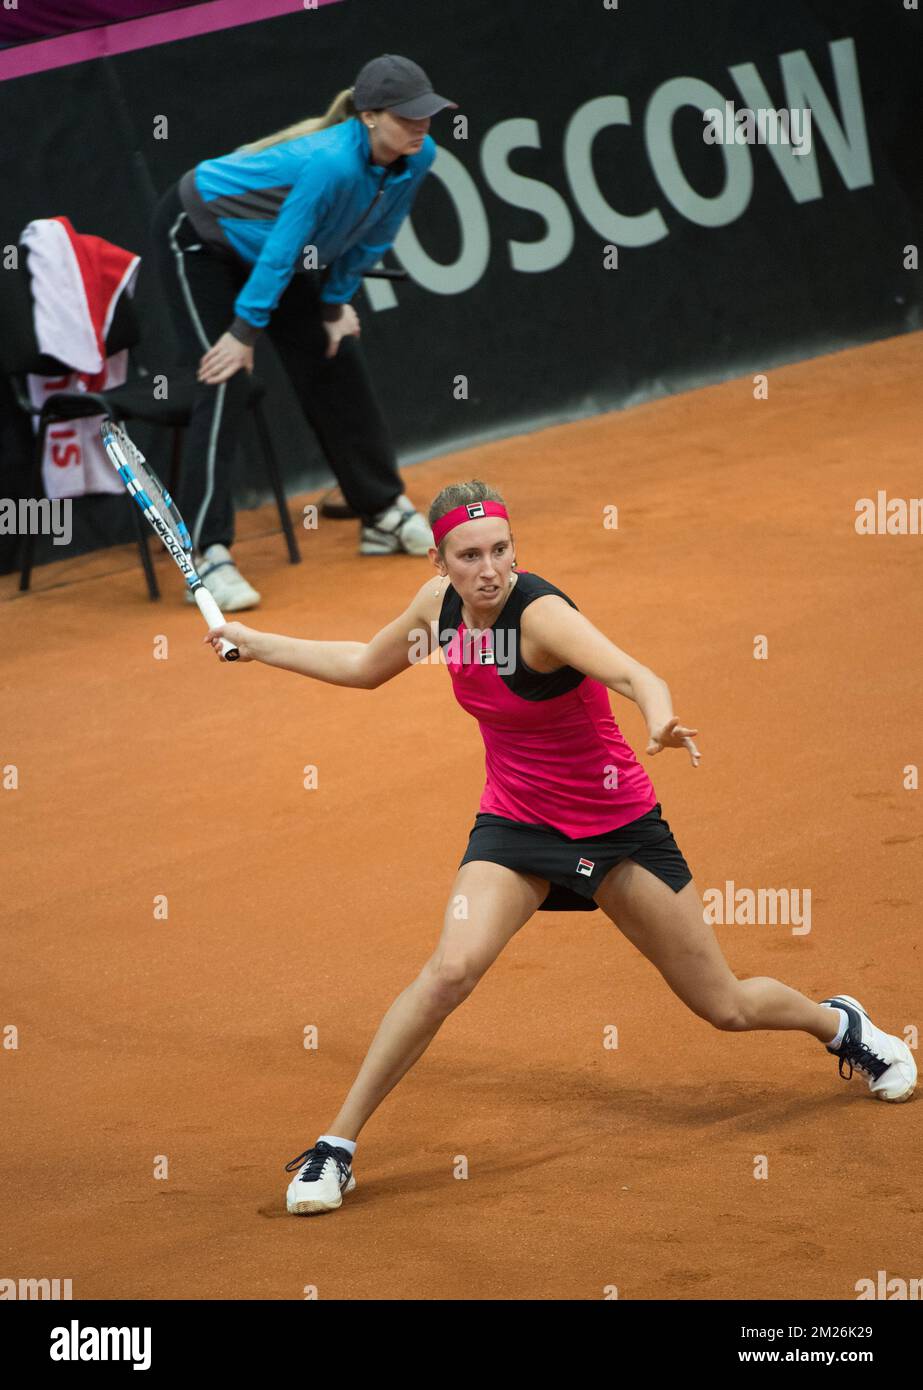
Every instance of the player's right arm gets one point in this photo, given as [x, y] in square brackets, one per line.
[362, 665]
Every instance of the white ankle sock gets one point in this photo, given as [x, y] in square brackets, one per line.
[348, 1144]
[844, 1024]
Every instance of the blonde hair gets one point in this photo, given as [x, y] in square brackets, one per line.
[456, 495]
[340, 109]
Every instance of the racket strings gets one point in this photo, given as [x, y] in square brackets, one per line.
[148, 493]
[144, 485]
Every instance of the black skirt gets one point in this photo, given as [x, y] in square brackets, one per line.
[575, 868]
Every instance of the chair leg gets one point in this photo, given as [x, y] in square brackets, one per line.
[28, 553]
[153, 588]
[275, 478]
[28, 549]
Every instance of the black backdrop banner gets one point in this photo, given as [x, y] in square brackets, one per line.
[579, 244]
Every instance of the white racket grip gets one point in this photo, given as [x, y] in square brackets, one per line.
[214, 617]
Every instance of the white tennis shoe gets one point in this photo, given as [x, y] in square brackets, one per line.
[399, 527]
[885, 1061]
[322, 1181]
[224, 581]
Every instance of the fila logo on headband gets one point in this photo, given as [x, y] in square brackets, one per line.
[586, 866]
[474, 509]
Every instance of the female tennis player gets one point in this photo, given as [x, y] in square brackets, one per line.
[275, 237]
[568, 818]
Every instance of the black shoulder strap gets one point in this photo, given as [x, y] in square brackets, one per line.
[534, 685]
[532, 586]
[449, 614]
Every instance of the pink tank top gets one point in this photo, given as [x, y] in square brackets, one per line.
[554, 754]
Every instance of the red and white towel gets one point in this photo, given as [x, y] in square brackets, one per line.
[76, 283]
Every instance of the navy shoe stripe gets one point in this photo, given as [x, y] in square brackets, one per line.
[852, 1051]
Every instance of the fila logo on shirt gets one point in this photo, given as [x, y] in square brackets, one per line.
[586, 866]
[486, 656]
[474, 509]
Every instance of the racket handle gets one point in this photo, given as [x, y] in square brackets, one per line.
[214, 617]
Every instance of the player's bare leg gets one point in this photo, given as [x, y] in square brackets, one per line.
[487, 906]
[670, 930]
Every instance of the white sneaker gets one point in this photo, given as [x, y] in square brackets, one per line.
[885, 1061]
[223, 580]
[399, 527]
[321, 1182]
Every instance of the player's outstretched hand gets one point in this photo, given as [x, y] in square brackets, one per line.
[675, 735]
[243, 638]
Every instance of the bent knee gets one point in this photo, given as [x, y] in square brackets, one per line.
[731, 1023]
[447, 982]
[727, 1015]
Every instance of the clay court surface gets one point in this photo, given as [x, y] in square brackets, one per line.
[588, 1167]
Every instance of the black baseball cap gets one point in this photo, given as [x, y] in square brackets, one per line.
[399, 85]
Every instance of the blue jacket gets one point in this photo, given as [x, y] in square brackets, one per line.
[318, 190]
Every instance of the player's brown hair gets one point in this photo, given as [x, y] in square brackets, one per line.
[340, 109]
[456, 495]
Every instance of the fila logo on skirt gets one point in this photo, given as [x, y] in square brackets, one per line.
[586, 866]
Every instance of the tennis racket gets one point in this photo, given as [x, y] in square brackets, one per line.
[164, 515]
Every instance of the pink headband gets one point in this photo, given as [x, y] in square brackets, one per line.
[468, 511]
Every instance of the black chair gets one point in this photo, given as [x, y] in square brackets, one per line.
[19, 356]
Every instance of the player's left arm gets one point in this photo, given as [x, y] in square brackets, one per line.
[567, 636]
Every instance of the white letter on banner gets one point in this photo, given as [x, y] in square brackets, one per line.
[849, 149]
[533, 195]
[618, 227]
[467, 270]
[732, 201]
